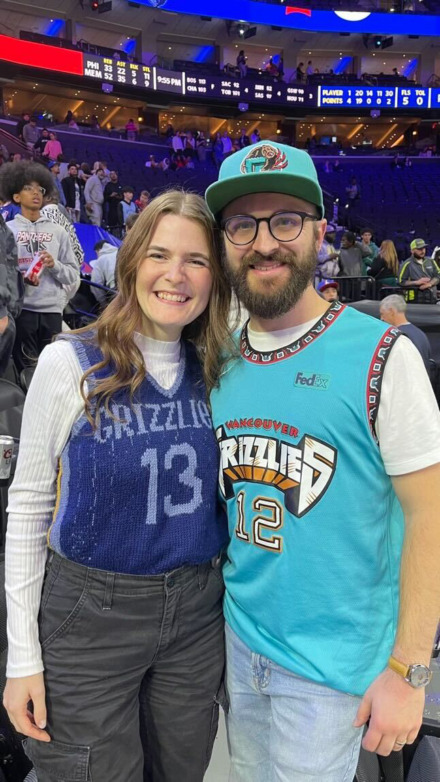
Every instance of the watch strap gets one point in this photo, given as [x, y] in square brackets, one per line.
[397, 667]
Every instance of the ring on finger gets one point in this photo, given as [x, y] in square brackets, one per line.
[400, 743]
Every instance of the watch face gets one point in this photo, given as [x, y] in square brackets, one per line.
[419, 676]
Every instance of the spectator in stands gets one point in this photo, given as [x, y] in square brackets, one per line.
[25, 118]
[369, 248]
[300, 72]
[126, 206]
[31, 134]
[15, 157]
[4, 153]
[255, 136]
[94, 197]
[8, 210]
[143, 200]
[42, 141]
[106, 481]
[243, 141]
[329, 290]
[395, 72]
[177, 142]
[217, 150]
[94, 122]
[37, 238]
[131, 130]
[85, 172]
[164, 164]
[104, 269]
[68, 118]
[201, 147]
[53, 147]
[190, 142]
[385, 267]
[54, 168]
[328, 256]
[309, 69]
[73, 125]
[130, 221]
[241, 63]
[351, 256]
[420, 271]
[393, 311]
[353, 190]
[280, 68]
[152, 162]
[74, 192]
[112, 197]
[227, 143]
[57, 214]
[11, 293]
[271, 68]
[64, 167]
[169, 131]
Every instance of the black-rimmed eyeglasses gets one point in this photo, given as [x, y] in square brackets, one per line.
[284, 226]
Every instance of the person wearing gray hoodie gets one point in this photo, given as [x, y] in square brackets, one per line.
[104, 268]
[11, 293]
[37, 238]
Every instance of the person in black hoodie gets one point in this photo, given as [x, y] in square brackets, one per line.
[11, 293]
[74, 193]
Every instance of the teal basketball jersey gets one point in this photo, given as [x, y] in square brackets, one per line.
[312, 577]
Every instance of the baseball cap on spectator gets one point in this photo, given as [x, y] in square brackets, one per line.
[52, 163]
[327, 284]
[266, 167]
[418, 244]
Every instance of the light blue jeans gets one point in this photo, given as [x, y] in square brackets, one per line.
[283, 728]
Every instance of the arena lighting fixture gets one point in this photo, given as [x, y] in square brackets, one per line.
[353, 16]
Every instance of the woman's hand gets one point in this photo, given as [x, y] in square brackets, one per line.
[16, 699]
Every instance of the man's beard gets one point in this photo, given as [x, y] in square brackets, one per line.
[278, 297]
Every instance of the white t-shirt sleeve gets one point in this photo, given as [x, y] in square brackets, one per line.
[408, 419]
[52, 405]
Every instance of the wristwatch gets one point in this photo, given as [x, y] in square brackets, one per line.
[417, 675]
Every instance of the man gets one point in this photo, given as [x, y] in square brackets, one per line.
[329, 290]
[94, 196]
[227, 143]
[25, 117]
[420, 271]
[38, 239]
[42, 141]
[369, 248]
[243, 141]
[11, 293]
[393, 311]
[112, 196]
[54, 168]
[126, 206]
[351, 255]
[31, 134]
[328, 256]
[322, 483]
[143, 200]
[104, 269]
[73, 188]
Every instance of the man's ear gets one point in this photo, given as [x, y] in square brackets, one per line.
[16, 198]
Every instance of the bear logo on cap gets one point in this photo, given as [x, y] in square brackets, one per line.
[265, 157]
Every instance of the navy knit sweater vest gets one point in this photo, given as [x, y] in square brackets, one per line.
[139, 494]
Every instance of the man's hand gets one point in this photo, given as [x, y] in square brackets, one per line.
[48, 261]
[16, 697]
[4, 322]
[424, 282]
[395, 711]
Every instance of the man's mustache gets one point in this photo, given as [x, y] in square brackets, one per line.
[254, 258]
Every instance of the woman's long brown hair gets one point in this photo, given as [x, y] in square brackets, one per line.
[114, 330]
[388, 253]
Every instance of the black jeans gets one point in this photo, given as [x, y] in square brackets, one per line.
[35, 330]
[6, 344]
[133, 674]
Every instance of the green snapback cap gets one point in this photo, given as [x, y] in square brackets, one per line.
[265, 167]
[418, 244]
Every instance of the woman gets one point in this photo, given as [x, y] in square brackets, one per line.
[385, 267]
[118, 469]
[53, 147]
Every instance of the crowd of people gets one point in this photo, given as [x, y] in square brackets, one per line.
[129, 574]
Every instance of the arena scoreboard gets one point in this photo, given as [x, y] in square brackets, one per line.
[222, 87]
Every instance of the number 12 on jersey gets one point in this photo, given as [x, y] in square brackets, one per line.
[259, 529]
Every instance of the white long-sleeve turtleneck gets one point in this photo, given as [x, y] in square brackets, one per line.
[53, 404]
